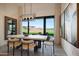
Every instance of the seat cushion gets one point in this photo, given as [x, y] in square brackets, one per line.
[17, 43]
[48, 43]
[25, 46]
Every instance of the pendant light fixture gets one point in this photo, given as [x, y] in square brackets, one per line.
[26, 15]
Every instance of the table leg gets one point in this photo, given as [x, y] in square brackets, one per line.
[39, 44]
[21, 49]
[36, 47]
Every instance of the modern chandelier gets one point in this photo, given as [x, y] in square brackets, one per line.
[29, 15]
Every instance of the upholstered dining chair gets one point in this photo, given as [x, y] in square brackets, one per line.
[50, 42]
[13, 43]
[27, 45]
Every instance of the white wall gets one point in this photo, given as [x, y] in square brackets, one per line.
[6, 10]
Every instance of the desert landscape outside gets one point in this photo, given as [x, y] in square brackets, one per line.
[36, 26]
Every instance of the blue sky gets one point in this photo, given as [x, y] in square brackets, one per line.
[39, 23]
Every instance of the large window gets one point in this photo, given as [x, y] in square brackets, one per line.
[39, 25]
[50, 26]
[69, 24]
[24, 28]
[36, 26]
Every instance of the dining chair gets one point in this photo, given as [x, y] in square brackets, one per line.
[26, 45]
[50, 42]
[13, 43]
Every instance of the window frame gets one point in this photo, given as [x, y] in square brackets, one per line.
[44, 23]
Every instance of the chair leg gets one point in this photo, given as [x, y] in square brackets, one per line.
[8, 48]
[28, 50]
[43, 48]
[51, 51]
[21, 50]
[53, 48]
[13, 48]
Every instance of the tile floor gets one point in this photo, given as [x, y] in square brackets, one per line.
[47, 51]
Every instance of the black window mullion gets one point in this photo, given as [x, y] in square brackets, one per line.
[28, 26]
[44, 26]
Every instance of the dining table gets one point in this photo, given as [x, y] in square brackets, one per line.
[41, 38]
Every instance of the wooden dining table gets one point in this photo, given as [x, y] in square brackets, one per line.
[41, 38]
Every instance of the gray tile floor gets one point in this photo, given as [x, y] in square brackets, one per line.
[47, 51]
